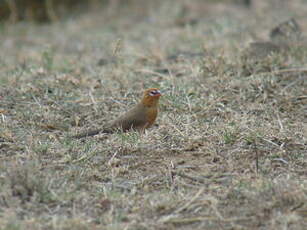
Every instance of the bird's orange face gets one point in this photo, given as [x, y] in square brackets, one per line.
[151, 97]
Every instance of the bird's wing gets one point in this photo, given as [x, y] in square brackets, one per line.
[134, 118]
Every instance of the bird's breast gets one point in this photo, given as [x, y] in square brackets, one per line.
[151, 115]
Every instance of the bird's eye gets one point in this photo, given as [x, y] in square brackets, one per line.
[154, 92]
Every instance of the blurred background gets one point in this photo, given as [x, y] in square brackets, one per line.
[48, 10]
[52, 10]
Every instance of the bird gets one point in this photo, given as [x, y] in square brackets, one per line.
[139, 118]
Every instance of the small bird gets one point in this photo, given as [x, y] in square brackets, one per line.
[139, 118]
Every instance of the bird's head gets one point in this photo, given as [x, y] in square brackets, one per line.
[151, 97]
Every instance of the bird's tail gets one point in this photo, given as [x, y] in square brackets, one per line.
[91, 133]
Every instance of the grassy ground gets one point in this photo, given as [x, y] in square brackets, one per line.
[229, 148]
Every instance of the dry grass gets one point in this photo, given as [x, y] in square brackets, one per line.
[229, 148]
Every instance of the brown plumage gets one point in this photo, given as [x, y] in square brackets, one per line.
[139, 118]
